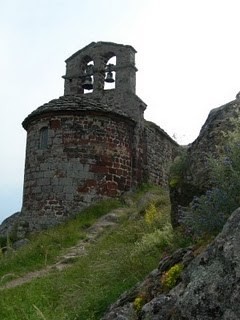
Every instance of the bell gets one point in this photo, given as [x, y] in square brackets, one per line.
[109, 77]
[87, 83]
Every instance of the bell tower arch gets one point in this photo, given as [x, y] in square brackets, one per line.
[101, 72]
[110, 74]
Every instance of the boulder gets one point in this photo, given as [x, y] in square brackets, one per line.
[20, 243]
[209, 286]
[124, 308]
[8, 225]
[15, 227]
[194, 177]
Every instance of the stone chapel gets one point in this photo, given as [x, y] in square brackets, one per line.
[93, 142]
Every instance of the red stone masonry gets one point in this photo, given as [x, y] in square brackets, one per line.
[87, 156]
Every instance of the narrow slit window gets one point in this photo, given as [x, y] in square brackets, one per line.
[43, 138]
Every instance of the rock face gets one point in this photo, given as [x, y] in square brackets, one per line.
[209, 287]
[194, 178]
[124, 308]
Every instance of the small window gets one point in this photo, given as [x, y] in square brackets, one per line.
[43, 138]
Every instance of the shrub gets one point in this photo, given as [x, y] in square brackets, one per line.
[138, 303]
[178, 169]
[157, 230]
[208, 213]
[159, 239]
[150, 214]
[169, 279]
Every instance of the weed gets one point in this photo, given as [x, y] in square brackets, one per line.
[158, 240]
[39, 312]
[150, 214]
[169, 278]
[138, 303]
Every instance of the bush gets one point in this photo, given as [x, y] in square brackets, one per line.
[151, 214]
[169, 279]
[177, 169]
[208, 213]
[158, 233]
[159, 239]
[138, 303]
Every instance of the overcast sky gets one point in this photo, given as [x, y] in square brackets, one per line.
[188, 63]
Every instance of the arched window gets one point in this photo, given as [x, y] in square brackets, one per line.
[110, 73]
[88, 79]
[43, 142]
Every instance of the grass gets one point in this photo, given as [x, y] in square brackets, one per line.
[45, 247]
[114, 263]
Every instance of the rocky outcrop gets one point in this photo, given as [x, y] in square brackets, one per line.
[8, 226]
[194, 178]
[210, 284]
[209, 287]
[16, 230]
[125, 307]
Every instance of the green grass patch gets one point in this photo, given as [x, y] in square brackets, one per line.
[85, 290]
[119, 259]
[47, 245]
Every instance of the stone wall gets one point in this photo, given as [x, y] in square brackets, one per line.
[160, 152]
[88, 155]
[91, 150]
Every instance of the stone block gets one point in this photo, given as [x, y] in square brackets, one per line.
[68, 189]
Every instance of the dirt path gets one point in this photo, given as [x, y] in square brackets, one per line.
[109, 220]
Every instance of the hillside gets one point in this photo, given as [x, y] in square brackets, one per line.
[76, 270]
